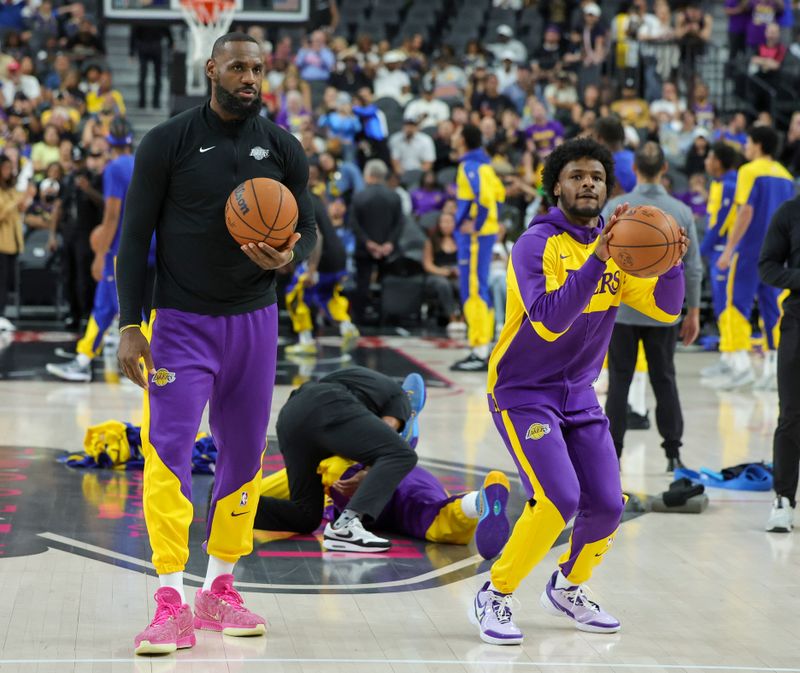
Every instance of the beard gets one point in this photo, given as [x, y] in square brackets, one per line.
[581, 211]
[234, 105]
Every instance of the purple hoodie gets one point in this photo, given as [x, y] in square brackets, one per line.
[560, 310]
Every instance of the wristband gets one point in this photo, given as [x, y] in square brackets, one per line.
[291, 256]
[122, 329]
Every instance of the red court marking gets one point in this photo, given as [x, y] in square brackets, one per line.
[5, 527]
[404, 553]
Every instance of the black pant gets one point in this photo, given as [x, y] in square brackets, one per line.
[659, 347]
[153, 57]
[365, 266]
[786, 446]
[322, 420]
[77, 259]
[6, 268]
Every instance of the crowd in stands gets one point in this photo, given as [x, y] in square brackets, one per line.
[550, 72]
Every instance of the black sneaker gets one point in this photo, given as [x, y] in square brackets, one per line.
[637, 421]
[471, 363]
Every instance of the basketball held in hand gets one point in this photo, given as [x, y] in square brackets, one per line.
[261, 210]
[646, 242]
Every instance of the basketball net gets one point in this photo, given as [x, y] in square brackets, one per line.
[207, 20]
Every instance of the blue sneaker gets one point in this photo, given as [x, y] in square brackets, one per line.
[492, 532]
[414, 387]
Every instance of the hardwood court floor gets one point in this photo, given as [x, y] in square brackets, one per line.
[709, 592]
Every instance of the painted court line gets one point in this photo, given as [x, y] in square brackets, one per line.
[408, 662]
[473, 560]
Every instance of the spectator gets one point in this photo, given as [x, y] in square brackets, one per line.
[506, 71]
[547, 59]
[427, 110]
[374, 130]
[696, 157]
[561, 95]
[625, 32]
[58, 72]
[12, 17]
[491, 101]
[738, 13]
[428, 196]
[316, 62]
[659, 53]
[631, 109]
[610, 132]
[42, 25]
[735, 132]
[546, 134]
[106, 97]
[506, 42]
[442, 144]
[440, 262]
[697, 195]
[292, 82]
[410, 149]
[344, 125]
[523, 87]
[376, 218]
[343, 178]
[10, 233]
[293, 115]
[85, 44]
[41, 213]
[693, 28]
[46, 151]
[703, 107]
[350, 77]
[17, 82]
[593, 39]
[670, 104]
[391, 81]
[510, 139]
[447, 77]
[762, 14]
[147, 42]
[765, 66]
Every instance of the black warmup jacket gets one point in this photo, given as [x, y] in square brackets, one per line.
[184, 171]
[779, 262]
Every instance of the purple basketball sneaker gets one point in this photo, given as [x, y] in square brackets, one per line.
[491, 534]
[572, 602]
[491, 613]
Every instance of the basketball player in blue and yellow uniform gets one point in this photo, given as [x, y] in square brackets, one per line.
[318, 282]
[116, 179]
[564, 292]
[478, 191]
[721, 164]
[762, 186]
[212, 336]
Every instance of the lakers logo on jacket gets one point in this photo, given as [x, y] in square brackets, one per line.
[162, 377]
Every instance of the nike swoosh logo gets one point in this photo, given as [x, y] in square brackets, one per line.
[240, 513]
[206, 149]
[564, 256]
[340, 533]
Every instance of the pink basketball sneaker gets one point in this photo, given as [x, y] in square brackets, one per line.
[222, 609]
[172, 627]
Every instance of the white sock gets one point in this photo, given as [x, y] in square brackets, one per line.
[216, 567]
[727, 359]
[305, 337]
[637, 393]
[481, 351]
[83, 360]
[562, 582]
[175, 581]
[345, 327]
[492, 587]
[740, 361]
[470, 506]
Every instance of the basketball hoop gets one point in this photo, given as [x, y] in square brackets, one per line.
[207, 20]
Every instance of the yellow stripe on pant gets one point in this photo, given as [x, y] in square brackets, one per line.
[338, 306]
[299, 312]
[477, 312]
[535, 532]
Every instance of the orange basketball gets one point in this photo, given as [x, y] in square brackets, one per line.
[261, 210]
[646, 242]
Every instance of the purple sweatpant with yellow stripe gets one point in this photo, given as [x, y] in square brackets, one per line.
[568, 466]
[229, 363]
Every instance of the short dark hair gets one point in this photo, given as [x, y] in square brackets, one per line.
[766, 137]
[727, 156]
[572, 150]
[472, 136]
[219, 45]
[609, 130]
[649, 159]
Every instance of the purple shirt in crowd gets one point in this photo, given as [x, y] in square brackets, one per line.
[763, 13]
[425, 201]
[738, 22]
[545, 135]
[696, 201]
